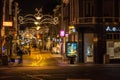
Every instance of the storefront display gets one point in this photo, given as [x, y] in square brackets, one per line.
[71, 48]
[113, 49]
[113, 41]
[88, 47]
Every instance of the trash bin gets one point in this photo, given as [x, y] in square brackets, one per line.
[5, 60]
[106, 59]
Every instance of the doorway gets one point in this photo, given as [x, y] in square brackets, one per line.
[88, 47]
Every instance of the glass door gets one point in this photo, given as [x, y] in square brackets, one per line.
[88, 47]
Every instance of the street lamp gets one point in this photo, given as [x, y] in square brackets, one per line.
[38, 27]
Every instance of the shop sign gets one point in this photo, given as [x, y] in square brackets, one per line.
[112, 28]
[7, 24]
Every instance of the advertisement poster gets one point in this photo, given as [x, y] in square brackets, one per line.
[71, 48]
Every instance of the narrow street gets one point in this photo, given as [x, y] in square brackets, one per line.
[46, 66]
[38, 58]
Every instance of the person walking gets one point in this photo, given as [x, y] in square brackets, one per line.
[29, 51]
[20, 55]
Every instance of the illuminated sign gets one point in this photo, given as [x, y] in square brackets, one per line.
[62, 33]
[113, 28]
[8, 24]
[66, 35]
[72, 29]
[71, 48]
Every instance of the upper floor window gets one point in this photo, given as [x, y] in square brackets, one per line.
[111, 8]
[88, 8]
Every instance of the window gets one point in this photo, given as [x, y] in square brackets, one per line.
[109, 36]
[113, 36]
[88, 8]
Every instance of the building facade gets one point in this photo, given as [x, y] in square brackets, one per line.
[97, 29]
[6, 32]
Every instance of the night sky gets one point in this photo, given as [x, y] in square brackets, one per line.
[28, 6]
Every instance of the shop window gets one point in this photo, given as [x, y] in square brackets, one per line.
[113, 49]
[115, 36]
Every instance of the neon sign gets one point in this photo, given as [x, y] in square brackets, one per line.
[62, 33]
[113, 29]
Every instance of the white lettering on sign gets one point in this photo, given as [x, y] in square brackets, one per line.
[112, 29]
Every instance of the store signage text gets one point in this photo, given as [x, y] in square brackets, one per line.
[7, 24]
[113, 28]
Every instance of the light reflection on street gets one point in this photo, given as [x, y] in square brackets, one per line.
[38, 58]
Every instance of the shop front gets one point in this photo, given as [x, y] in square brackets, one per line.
[113, 43]
[96, 41]
[91, 43]
[85, 44]
[88, 47]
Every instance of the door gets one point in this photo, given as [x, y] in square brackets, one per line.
[88, 47]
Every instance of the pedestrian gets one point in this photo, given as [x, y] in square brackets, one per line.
[17, 48]
[29, 51]
[35, 46]
[20, 55]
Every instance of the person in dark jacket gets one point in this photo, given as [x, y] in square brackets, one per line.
[20, 54]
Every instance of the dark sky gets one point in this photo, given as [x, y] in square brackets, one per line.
[28, 6]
